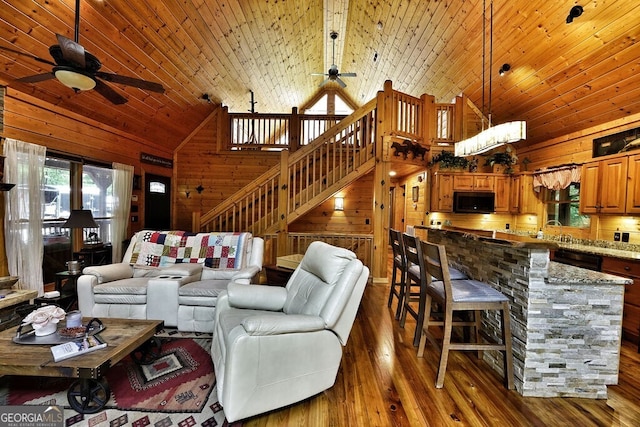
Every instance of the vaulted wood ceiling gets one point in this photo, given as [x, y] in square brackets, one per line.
[563, 77]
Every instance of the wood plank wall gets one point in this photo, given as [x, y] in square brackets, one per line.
[355, 218]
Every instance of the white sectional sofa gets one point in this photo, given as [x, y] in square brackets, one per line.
[174, 276]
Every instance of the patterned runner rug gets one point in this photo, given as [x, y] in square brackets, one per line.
[177, 389]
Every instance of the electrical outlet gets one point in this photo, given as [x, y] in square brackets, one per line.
[507, 226]
[625, 237]
[616, 236]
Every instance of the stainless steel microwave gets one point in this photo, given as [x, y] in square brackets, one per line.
[474, 202]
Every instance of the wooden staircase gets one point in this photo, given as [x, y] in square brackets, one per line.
[302, 180]
[358, 144]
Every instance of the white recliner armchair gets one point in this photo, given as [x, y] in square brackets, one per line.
[275, 346]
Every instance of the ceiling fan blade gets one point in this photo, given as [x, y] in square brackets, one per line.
[324, 82]
[341, 83]
[36, 78]
[319, 74]
[347, 75]
[71, 51]
[131, 81]
[17, 52]
[106, 91]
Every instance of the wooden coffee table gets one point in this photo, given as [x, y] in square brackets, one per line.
[91, 392]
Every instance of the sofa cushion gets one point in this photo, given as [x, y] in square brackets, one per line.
[126, 291]
[217, 250]
[202, 292]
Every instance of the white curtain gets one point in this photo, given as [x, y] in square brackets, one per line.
[24, 166]
[122, 188]
[556, 178]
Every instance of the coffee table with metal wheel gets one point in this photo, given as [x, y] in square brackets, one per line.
[90, 393]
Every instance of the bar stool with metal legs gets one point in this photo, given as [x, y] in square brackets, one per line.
[399, 270]
[461, 295]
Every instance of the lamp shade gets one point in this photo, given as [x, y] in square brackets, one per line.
[80, 218]
[74, 79]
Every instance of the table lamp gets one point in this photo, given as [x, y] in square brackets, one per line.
[80, 218]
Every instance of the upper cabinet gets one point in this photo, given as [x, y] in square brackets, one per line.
[633, 184]
[442, 193]
[444, 185]
[473, 182]
[603, 186]
[522, 198]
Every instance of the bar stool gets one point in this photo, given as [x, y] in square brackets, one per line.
[414, 288]
[414, 278]
[461, 295]
[399, 269]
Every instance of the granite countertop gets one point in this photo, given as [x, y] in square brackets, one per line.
[516, 240]
[498, 237]
[614, 253]
[563, 273]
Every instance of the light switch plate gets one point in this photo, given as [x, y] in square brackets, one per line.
[625, 237]
[616, 236]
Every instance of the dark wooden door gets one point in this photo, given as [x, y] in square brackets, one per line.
[157, 212]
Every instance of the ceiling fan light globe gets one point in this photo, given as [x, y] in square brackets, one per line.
[74, 79]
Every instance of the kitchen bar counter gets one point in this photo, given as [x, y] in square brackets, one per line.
[566, 321]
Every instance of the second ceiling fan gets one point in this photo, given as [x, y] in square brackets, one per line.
[333, 75]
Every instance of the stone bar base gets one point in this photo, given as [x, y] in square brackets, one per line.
[566, 321]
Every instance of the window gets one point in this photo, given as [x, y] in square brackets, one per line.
[59, 190]
[563, 207]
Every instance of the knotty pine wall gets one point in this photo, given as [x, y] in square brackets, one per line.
[356, 218]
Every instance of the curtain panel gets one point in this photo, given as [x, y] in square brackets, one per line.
[24, 166]
[122, 189]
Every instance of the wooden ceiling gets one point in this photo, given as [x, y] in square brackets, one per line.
[563, 77]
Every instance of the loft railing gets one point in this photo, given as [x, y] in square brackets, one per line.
[252, 131]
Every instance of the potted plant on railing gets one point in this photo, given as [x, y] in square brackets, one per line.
[448, 160]
[502, 161]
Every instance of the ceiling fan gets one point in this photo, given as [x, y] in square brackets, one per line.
[78, 69]
[334, 74]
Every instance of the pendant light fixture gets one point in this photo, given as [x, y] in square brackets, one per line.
[493, 136]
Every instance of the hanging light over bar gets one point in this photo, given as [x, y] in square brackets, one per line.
[491, 138]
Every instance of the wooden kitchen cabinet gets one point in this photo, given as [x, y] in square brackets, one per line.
[502, 189]
[523, 199]
[633, 184]
[603, 186]
[631, 311]
[473, 182]
[442, 193]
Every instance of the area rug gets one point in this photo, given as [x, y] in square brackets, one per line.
[177, 389]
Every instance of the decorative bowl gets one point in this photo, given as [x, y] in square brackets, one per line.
[8, 281]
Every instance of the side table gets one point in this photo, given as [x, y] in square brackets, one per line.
[66, 284]
[277, 276]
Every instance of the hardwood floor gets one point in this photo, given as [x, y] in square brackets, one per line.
[381, 382]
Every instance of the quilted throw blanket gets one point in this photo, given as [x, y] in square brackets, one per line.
[216, 250]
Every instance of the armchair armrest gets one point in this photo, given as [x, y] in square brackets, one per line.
[256, 297]
[267, 324]
[110, 272]
[245, 275]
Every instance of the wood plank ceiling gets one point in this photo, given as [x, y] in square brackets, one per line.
[563, 78]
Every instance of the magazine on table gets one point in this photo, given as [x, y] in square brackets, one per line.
[77, 347]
